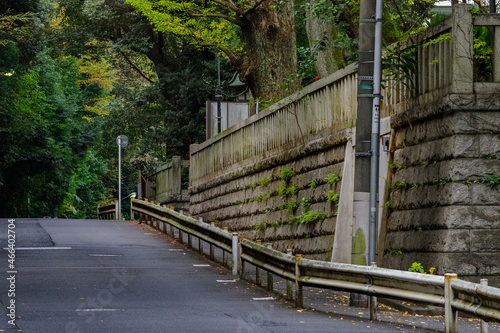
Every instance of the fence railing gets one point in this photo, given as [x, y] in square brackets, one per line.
[165, 183]
[453, 294]
[328, 104]
[107, 211]
[442, 61]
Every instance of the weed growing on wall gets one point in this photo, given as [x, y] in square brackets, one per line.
[331, 196]
[305, 203]
[264, 181]
[332, 178]
[418, 268]
[286, 174]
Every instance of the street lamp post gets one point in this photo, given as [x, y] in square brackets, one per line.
[218, 95]
[122, 141]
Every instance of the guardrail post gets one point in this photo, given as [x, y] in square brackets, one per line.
[270, 278]
[181, 236]
[235, 253]
[224, 253]
[373, 301]
[131, 210]
[212, 254]
[289, 284]
[450, 315]
[190, 241]
[299, 296]
[172, 232]
[241, 262]
[484, 325]
[258, 280]
[200, 241]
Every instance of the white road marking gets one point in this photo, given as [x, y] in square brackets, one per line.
[41, 248]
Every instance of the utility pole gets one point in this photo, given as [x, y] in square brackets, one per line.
[363, 154]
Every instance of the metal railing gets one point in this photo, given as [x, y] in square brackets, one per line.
[453, 294]
[107, 211]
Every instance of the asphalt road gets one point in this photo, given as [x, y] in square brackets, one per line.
[103, 276]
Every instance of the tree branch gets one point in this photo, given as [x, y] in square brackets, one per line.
[225, 17]
[233, 58]
[253, 8]
[228, 4]
[135, 67]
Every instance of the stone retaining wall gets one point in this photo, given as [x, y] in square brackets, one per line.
[445, 200]
[247, 201]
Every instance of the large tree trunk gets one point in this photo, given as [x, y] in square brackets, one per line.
[321, 35]
[269, 64]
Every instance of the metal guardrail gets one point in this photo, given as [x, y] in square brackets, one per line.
[479, 300]
[107, 211]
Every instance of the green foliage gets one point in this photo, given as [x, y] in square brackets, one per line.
[401, 185]
[312, 217]
[291, 206]
[492, 182]
[418, 268]
[261, 226]
[313, 184]
[252, 185]
[286, 174]
[265, 196]
[264, 181]
[305, 203]
[293, 190]
[283, 190]
[439, 182]
[395, 252]
[331, 196]
[483, 54]
[332, 178]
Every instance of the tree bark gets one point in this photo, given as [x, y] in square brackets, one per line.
[269, 64]
[321, 34]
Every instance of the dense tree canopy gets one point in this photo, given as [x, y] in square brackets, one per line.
[75, 74]
[254, 36]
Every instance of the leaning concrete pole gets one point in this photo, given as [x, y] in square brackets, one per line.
[361, 204]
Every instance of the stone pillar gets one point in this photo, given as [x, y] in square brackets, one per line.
[176, 176]
[462, 77]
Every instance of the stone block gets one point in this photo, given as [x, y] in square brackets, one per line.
[466, 265]
[448, 217]
[446, 240]
[313, 245]
[432, 196]
[485, 240]
[484, 195]
[489, 145]
[450, 170]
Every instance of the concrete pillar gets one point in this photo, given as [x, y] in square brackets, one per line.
[342, 242]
